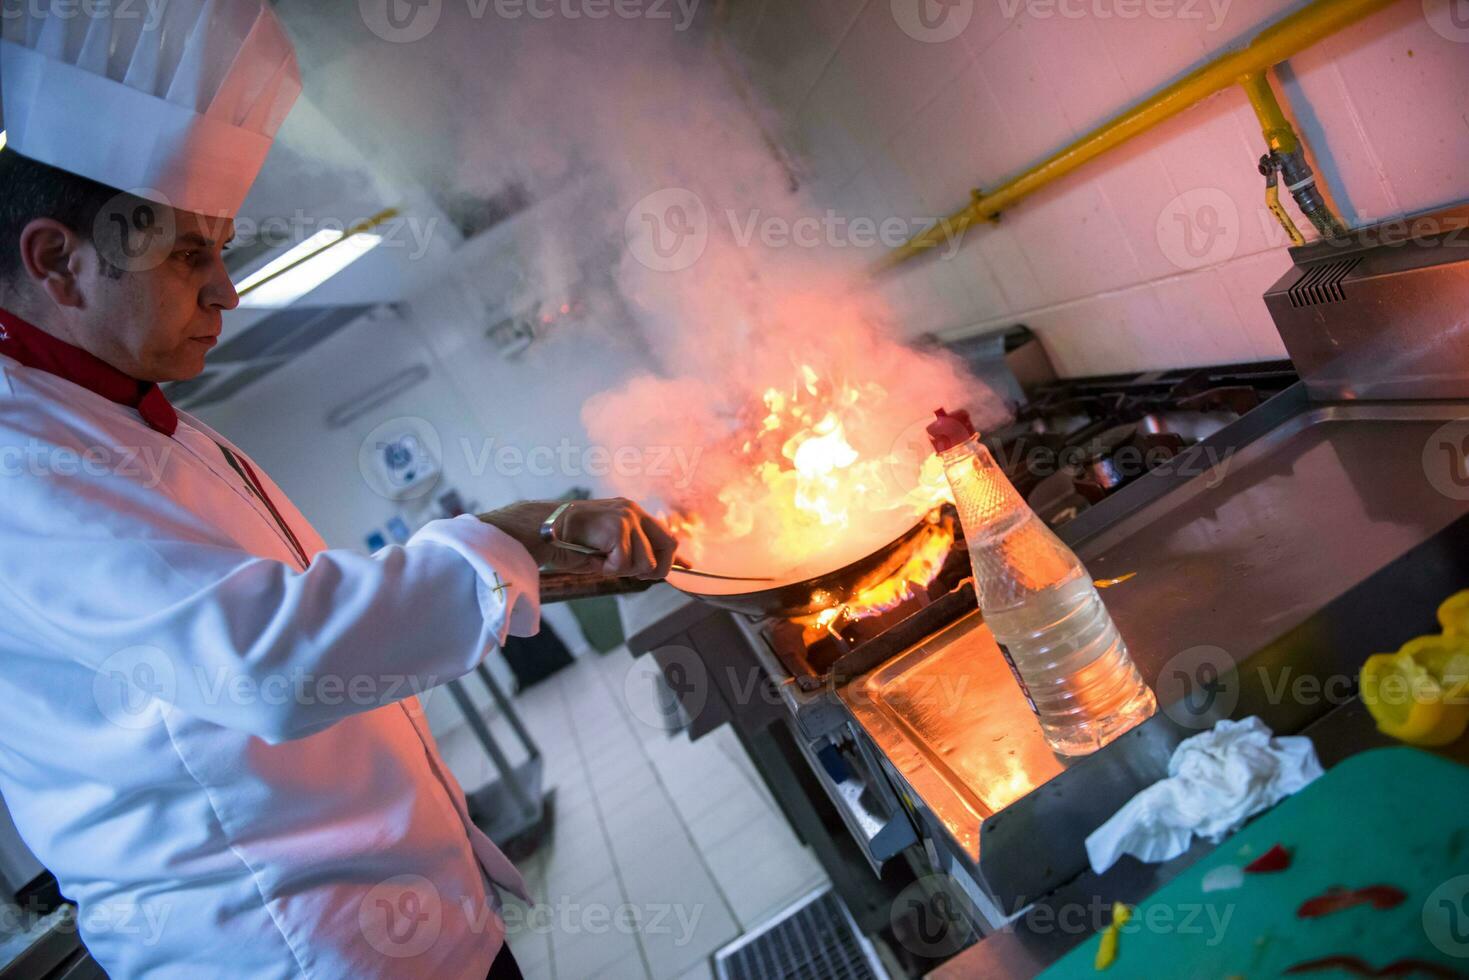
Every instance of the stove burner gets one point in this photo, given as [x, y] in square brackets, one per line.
[810, 652]
[1073, 445]
[1078, 442]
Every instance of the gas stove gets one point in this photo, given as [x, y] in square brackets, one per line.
[1071, 446]
[1253, 544]
[1075, 443]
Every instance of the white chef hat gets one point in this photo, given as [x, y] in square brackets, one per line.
[173, 100]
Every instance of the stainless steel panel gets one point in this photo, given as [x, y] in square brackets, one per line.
[949, 715]
[1274, 531]
[1226, 563]
[1384, 314]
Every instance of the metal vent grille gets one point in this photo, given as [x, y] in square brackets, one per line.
[1322, 283]
[815, 939]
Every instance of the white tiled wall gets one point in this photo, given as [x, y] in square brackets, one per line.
[1099, 264]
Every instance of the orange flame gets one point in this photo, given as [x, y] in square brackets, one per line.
[808, 483]
[890, 590]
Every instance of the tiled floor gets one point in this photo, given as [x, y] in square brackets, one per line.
[662, 849]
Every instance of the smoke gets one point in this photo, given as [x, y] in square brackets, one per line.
[730, 305]
[674, 200]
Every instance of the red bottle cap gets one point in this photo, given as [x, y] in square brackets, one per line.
[949, 430]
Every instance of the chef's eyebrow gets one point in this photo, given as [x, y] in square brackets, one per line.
[200, 241]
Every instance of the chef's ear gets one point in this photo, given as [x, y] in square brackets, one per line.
[50, 253]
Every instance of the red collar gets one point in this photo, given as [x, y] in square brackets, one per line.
[35, 348]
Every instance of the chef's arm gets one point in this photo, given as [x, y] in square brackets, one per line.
[252, 643]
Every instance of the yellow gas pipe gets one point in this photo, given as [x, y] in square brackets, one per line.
[1280, 137]
[1279, 133]
[1243, 66]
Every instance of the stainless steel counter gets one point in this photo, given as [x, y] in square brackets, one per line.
[1240, 554]
[1236, 555]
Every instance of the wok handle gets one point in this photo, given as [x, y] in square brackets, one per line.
[566, 587]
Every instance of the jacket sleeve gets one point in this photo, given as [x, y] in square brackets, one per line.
[96, 569]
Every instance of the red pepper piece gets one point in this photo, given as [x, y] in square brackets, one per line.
[1408, 967]
[1354, 965]
[1335, 900]
[1383, 896]
[1359, 967]
[1275, 859]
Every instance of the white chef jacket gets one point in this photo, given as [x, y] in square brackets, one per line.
[213, 750]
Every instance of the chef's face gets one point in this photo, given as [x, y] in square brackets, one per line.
[156, 317]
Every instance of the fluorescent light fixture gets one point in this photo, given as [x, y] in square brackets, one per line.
[289, 286]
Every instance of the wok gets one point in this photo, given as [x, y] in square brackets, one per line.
[799, 594]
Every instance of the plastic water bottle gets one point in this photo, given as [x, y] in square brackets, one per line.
[1040, 603]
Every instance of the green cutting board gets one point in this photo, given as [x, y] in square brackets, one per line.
[1393, 816]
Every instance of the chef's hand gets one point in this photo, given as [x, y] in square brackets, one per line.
[630, 542]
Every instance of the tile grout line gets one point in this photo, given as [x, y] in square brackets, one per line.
[602, 826]
[677, 813]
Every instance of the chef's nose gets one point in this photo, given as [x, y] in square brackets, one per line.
[219, 292]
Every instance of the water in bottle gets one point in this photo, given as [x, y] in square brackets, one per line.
[1040, 603]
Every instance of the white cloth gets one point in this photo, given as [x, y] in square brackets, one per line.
[214, 752]
[177, 102]
[1216, 781]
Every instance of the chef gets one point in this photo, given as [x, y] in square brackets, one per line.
[210, 732]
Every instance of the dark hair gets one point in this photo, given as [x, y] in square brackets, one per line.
[29, 190]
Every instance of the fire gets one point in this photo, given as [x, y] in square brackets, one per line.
[886, 589]
[816, 474]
